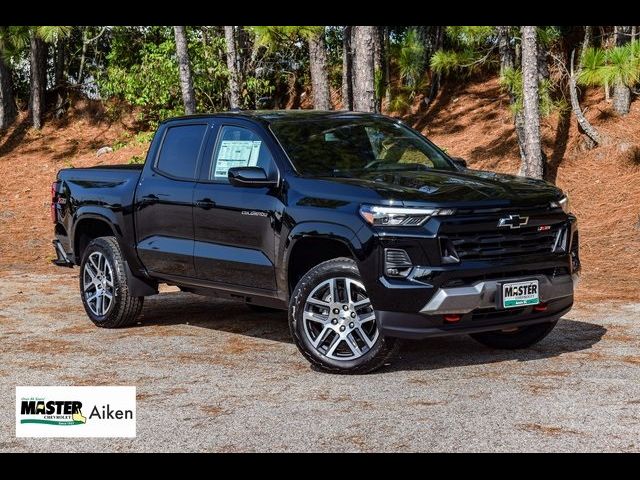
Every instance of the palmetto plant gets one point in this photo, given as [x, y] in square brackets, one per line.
[617, 66]
[410, 58]
[51, 34]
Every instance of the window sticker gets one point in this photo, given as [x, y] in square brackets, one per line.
[236, 153]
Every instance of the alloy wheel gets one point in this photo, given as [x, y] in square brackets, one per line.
[97, 281]
[339, 320]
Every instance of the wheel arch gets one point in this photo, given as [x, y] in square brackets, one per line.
[90, 226]
[87, 227]
[310, 244]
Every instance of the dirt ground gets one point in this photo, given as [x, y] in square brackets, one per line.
[213, 376]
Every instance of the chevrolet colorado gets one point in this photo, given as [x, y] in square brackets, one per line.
[358, 225]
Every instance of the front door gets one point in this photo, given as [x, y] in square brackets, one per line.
[235, 239]
[164, 201]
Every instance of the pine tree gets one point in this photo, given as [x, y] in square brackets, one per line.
[363, 69]
[347, 68]
[621, 91]
[533, 165]
[8, 110]
[186, 79]
[318, 69]
[233, 65]
[38, 77]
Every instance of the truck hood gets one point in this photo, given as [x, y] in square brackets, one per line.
[440, 186]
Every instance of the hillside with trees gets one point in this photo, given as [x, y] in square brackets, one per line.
[553, 102]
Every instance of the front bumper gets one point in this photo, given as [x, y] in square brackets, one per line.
[483, 294]
[477, 306]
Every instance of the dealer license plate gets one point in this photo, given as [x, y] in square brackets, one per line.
[519, 294]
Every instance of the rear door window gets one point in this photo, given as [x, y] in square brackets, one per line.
[180, 151]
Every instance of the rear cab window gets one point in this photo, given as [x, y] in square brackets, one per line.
[180, 149]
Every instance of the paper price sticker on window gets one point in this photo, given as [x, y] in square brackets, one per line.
[236, 153]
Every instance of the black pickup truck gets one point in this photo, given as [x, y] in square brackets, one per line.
[358, 225]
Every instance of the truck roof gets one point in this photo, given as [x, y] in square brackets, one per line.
[276, 116]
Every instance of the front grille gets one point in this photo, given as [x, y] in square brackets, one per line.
[539, 209]
[498, 244]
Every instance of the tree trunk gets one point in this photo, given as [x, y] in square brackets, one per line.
[363, 69]
[508, 61]
[621, 98]
[378, 66]
[232, 65]
[586, 42]
[427, 37]
[60, 84]
[588, 129]
[186, 80]
[621, 92]
[83, 55]
[347, 69]
[8, 111]
[622, 35]
[38, 78]
[543, 64]
[435, 79]
[507, 55]
[518, 123]
[319, 74]
[387, 66]
[533, 166]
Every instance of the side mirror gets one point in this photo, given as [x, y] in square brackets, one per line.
[254, 177]
[461, 162]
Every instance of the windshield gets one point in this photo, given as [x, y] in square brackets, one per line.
[347, 147]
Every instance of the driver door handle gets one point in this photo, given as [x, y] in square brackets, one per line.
[149, 199]
[205, 203]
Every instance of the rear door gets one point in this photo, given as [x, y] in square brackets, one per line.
[236, 228]
[164, 200]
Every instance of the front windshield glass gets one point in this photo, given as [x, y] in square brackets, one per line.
[353, 146]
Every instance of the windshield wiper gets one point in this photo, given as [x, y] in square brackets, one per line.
[337, 173]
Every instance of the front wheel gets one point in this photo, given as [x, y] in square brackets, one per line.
[103, 285]
[333, 322]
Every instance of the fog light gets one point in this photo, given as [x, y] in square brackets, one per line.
[452, 317]
[397, 262]
[541, 307]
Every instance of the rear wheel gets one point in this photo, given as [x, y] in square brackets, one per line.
[522, 337]
[103, 285]
[333, 322]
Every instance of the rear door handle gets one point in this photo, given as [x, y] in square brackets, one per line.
[205, 203]
[149, 199]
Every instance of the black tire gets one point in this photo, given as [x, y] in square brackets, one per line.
[379, 353]
[523, 337]
[262, 309]
[124, 308]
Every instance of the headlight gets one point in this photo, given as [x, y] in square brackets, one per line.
[563, 203]
[400, 216]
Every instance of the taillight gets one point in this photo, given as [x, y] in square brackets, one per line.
[54, 186]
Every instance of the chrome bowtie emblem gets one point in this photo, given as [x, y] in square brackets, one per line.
[513, 221]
